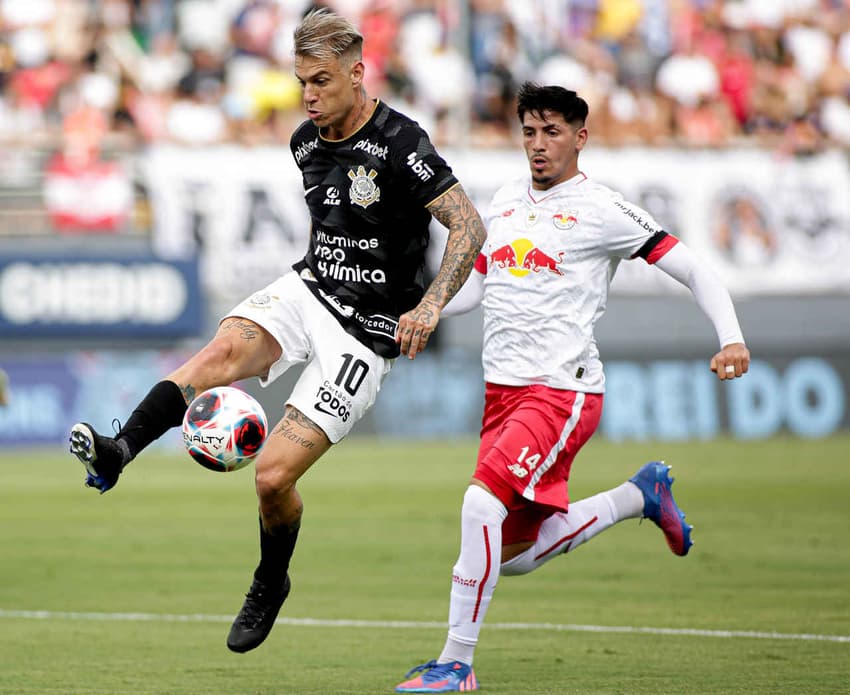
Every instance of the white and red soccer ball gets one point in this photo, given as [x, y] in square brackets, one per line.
[224, 429]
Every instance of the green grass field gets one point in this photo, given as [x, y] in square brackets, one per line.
[133, 591]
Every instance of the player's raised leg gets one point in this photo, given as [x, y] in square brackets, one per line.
[564, 532]
[647, 494]
[105, 457]
[239, 349]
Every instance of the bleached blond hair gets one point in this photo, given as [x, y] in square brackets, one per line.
[327, 36]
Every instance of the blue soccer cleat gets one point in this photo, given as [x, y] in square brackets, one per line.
[102, 456]
[654, 481]
[451, 677]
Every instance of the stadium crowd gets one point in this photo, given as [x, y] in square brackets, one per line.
[693, 73]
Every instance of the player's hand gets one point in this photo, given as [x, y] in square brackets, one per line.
[416, 326]
[731, 362]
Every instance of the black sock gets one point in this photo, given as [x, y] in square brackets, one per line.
[275, 553]
[159, 411]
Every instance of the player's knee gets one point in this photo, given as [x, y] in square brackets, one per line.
[274, 487]
[482, 507]
[218, 354]
[520, 564]
[234, 357]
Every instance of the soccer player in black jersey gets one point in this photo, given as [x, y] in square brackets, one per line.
[356, 301]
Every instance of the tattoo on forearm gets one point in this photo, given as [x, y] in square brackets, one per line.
[247, 329]
[466, 236]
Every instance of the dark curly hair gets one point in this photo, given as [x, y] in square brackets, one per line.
[534, 98]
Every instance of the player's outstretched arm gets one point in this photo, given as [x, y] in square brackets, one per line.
[456, 212]
[713, 298]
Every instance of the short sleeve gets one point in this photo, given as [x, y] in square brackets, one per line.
[423, 172]
[628, 227]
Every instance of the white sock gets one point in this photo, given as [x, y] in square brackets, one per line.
[628, 501]
[586, 518]
[475, 573]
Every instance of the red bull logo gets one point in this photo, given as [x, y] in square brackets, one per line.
[521, 257]
[565, 219]
[504, 257]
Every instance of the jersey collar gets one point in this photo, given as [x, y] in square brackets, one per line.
[540, 196]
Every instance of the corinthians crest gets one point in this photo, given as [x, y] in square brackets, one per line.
[363, 190]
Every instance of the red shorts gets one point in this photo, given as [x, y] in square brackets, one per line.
[529, 438]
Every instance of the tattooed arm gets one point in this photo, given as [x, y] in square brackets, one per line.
[466, 236]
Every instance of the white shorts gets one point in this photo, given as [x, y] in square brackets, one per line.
[341, 377]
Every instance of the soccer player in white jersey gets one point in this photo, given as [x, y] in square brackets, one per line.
[554, 241]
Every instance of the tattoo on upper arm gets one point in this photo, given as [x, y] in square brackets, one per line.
[248, 330]
[456, 212]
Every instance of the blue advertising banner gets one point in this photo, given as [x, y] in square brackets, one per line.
[49, 394]
[442, 396]
[93, 296]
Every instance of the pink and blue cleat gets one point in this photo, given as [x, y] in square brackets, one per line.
[452, 677]
[654, 481]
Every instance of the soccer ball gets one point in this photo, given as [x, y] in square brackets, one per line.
[224, 429]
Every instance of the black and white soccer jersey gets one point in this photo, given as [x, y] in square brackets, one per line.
[367, 196]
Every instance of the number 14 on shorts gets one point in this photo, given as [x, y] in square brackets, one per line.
[524, 463]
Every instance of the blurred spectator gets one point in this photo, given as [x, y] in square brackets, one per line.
[634, 117]
[500, 64]
[737, 74]
[380, 22]
[708, 123]
[809, 45]
[636, 63]
[83, 192]
[615, 19]
[833, 106]
[779, 96]
[196, 116]
[687, 77]
[441, 77]
[209, 71]
[802, 137]
[254, 29]
[162, 65]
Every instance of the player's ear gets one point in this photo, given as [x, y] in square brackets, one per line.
[581, 138]
[356, 73]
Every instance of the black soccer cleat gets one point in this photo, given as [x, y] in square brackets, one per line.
[255, 620]
[102, 456]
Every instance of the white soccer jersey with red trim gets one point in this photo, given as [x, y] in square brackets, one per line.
[550, 257]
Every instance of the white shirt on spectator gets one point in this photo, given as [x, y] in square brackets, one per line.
[812, 50]
[193, 123]
[687, 78]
